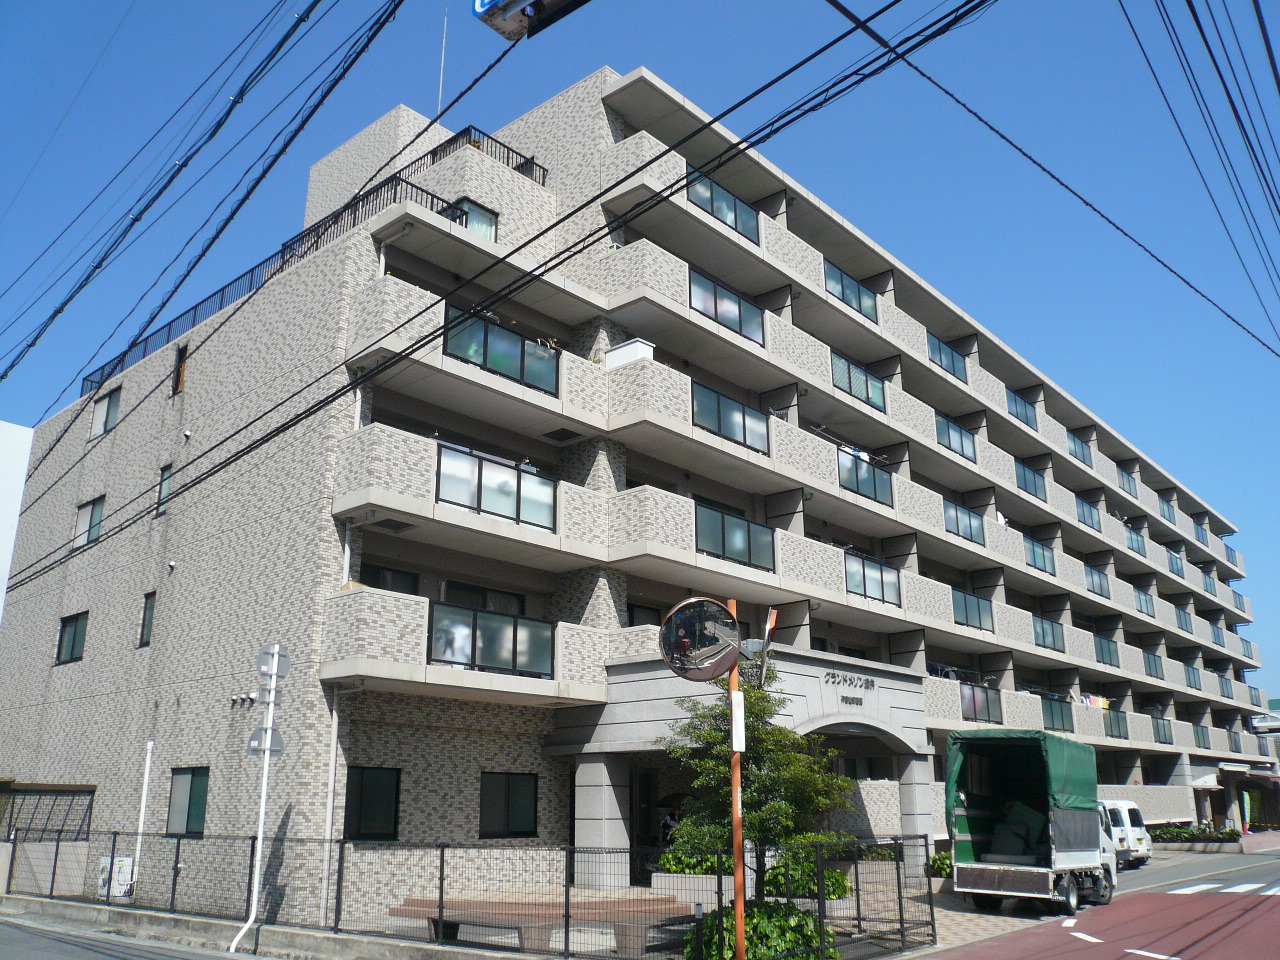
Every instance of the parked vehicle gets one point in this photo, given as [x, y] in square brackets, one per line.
[1024, 819]
[1133, 843]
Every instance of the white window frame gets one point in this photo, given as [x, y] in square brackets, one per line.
[106, 414]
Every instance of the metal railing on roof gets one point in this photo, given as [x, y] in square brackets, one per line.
[392, 190]
[477, 138]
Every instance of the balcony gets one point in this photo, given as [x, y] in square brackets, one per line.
[1115, 724]
[1057, 715]
[480, 640]
[729, 537]
[512, 355]
[971, 610]
[868, 578]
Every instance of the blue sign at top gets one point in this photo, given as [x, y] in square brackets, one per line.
[484, 6]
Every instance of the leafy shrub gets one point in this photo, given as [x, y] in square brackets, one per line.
[940, 864]
[774, 929]
[799, 878]
[676, 859]
[1199, 833]
[878, 853]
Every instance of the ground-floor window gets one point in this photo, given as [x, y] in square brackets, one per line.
[373, 803]
[188, 798]
[508, 805]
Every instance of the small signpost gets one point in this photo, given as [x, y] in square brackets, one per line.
[701, 641]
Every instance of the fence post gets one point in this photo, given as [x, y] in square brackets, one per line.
[568, 867]
[13, 861]
[928, 883]
[720, 904]
[53, 874]
[173, 884]
[337, 900]
[822, 900]
[857, 883]
[786, 872]
[111, 864]
[902, 916]
[440, 898]
[248, 887]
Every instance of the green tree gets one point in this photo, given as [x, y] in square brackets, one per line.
[788, 780]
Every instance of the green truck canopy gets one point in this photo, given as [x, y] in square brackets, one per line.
[1071, 766]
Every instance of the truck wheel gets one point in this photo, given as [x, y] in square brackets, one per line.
[987, 902]
[1069, 890]
[1103, 889]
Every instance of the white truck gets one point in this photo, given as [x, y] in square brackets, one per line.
[1024, 819]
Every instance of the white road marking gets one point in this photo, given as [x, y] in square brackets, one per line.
[1241, 888]
[1153, 956]
[1085, 936]
[1069, 923]
[1197, 888]
[1270, 893]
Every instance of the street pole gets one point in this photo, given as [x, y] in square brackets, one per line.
[735, 778]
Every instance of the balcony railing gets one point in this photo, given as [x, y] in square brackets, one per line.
[1144, 602]
[726, 307]
[863, 477]
[495, 487]
[500, 350]
[1226, 688]
[1115, 723]
[948, 358]
[1237, 598]
[1153, 664]
[479, 140]
[1039, 555]
[1210, 584]
[1096, 581]
[1057, 715]
[1201, 733]
[1168, 510]
[869, 578]
[980, 704]
[730, 210]
[730, 419]
[963, 522]
[956, 438]
[1231, 553]
[1233, 741]
[1049, 634]
[1192, 675]
[1106, 650]
[1162, 729]
[1202, 533]
[1128, 482]
[1031, 481]
[1088, 514]
[1175, 561]
[1218, 637]
[840, 284]
[1079, 449]
[1137, 542]
[1024, 410]
[853, 378]
[1255, 696]
[1246, 647]
[1184, 620]
[392, 190]
[972, 611]
[734, 538]
[480, 640]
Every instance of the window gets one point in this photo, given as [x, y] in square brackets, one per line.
[730, 419]
[1184, 620]
[1128, 482]
[1096, 581]
[508, 805]
[1039, 556]
[724, 206]
[1202, 735]
[483, 598]
[868, 578]
[498, 487]
[948, 358]
[1153, 665]
[1255, 696]
[188, 798]
[840, 284]
[955, 437]
[148, 616]
[1202, 533]
[1079, 449]
[859, 475]
[1137, 542]
[1088, 514]
[1162, 729]
[1024, 410]
[481, 221]
[1057, 715]
[486, 343]
[726, 307]
[853, 378]
[179, 370]
[1144, 602]
[1233, 741]
[1167, 509]
[729, 537]
[971, 610]
[162, 490]
[373, 804]
[1218, 637]
[385, 578]
[89, 522]
[1210, 585]
[1175, 561]
[71, 637]
[106, 414]
[1192, 675]
[1049, 634]
[1237, 598]
[1106, 650]
[980, 704]
[963, 522]
[1031, 481]
[472, 638]
[642, 616]
[1115, 724]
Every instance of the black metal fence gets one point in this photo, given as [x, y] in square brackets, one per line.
[841, 901]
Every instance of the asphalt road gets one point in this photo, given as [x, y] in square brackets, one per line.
[1230, 914]
[18, 941]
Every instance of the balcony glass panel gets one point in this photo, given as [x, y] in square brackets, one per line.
[1255, 696]
[1175, 561]
[728, 418]
[972, 611]
[1024, 410]
[1057, 715]
[853, 378]
[1218, 636]
[840, 284]
[481, 640]
[865, 478]
[1096, 581]
[1137, 542]
[724, 206]
[1106, 650]
[963, 522]
[726, 307]
[734, 538]
[1039, 556]
[1246, 648]
[1153, 665]
[1231, 553]
[1168, 511]
[1162, 729]
[1192, 675]
[459, 478]
[1210, 585]
[1184, 620]
[1202, 533]
[868, 578]
[1088, 514]
[1080, 449]
[1115, 723]
[1201, 734]
[1233, 741]
[948, 358]
[1144, 602]
[955, 437]
[980, 704]
[501, 489]
[1049, 634]
[1128, 482]
[1237, 598]
[1225, 688]
[502, 351]
[1031, 481]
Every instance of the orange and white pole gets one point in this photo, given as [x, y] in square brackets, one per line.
[737, 726]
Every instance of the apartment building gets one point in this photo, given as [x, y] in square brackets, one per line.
[737, 394]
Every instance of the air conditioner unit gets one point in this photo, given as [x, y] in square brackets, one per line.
[119, 876]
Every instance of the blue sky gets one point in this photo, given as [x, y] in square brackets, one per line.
[895, 157]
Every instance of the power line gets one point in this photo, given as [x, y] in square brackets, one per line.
[871, 32]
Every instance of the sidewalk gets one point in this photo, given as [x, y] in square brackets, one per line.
[1261, 842]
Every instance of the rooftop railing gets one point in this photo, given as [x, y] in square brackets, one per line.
[479, 140]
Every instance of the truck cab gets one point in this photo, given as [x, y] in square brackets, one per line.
[1133, 842]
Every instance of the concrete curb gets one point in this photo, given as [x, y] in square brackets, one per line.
[1191, 847]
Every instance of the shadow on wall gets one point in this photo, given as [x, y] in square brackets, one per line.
[274, 888]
